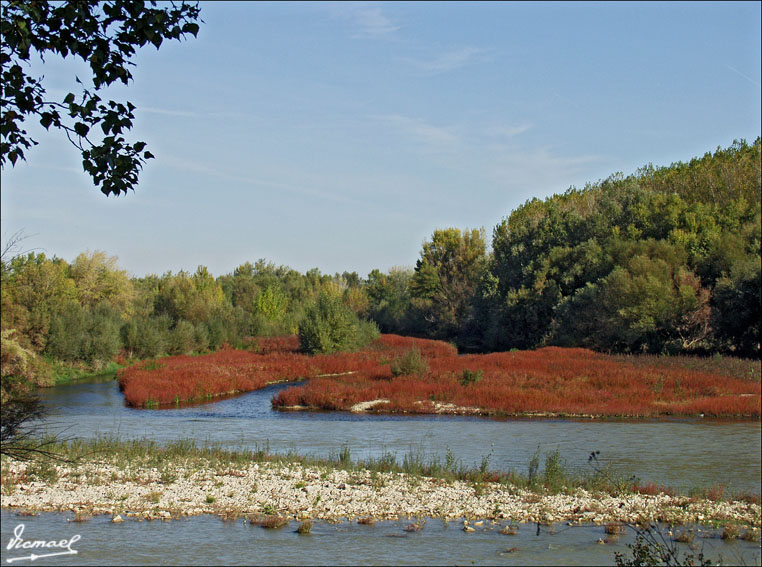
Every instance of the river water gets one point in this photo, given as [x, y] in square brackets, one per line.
[208, 540]
[682, 454]
[677, 453]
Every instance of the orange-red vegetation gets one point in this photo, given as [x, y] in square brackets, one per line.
[548, 381]
[186, 378]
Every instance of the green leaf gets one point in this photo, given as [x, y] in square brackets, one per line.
[81, 129]
[148, 155]
[69, 98]
[46, 120]
[191, 28]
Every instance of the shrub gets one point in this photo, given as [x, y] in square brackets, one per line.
[104, 340]
[21, 368]
[182, 340]
[411, 362]
[80, 334]
[270, 522]
[68, 333]
[330, 326]
[146, 337]
[305, 527]
[469, 376]
[201, 337]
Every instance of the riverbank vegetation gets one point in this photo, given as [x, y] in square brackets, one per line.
[403, 374]
[185, 479]
[663, 261]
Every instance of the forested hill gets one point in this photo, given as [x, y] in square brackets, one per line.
[667, 259]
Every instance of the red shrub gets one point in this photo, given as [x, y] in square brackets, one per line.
[551, 380]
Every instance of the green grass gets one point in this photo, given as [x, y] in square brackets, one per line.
[66, 373]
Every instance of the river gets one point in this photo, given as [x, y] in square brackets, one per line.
[208, 540]
[682, 454]
[679, 453]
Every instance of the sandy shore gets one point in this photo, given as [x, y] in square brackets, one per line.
[301, 492]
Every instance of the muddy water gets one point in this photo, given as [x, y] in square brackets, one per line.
[679, 453]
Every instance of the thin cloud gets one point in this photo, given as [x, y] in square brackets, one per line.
[192, 114]
[168, 112]
[428, 134]
[449, 60]
[508, 131]
[540, 169]
[367, 19]
[737, 72]
[307, 188]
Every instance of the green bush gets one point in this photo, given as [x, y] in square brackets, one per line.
[470, 376]
[182, 339]
[78, 334]
[104, 340]
[68, 333]
[411, 362]
[146, 337]
[330, 326]
[201, 337]
[227, 325]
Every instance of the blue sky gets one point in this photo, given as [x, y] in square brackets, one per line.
[341, 135]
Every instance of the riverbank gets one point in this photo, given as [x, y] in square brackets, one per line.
[182, 481]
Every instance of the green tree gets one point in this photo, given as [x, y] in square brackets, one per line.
[103, 34]
[271, 303]
[447, 275]
[651, 301]
[737, 313]
[98, 279]
[37, 288]
[191, 297]
[389, 300]
[330, 326]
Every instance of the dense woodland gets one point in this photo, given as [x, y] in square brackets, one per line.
[666, 260]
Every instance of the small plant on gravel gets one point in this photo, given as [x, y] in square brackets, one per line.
[153, 497]
[44, 470]
[210, 499]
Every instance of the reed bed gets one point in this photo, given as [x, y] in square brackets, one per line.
[548, 381]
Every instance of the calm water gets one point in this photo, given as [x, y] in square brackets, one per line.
[678, 453]
[209, 541]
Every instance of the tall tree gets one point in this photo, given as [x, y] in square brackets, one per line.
[447, 275]
[103, 34]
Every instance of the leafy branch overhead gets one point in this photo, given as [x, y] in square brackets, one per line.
[103, 34]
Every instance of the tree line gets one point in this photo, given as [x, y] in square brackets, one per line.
[666, 260]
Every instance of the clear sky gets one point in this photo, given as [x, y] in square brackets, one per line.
[341, 135]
